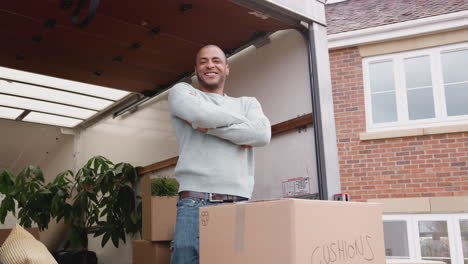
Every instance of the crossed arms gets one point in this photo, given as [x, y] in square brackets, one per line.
[253, 129]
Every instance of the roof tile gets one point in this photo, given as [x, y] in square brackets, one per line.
[359, 14]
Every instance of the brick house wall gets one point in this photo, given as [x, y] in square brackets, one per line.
[417, 166]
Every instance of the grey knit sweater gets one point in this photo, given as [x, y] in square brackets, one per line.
[215, 161]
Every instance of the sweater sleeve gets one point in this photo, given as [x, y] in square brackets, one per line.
[186, 103]
[254, 132]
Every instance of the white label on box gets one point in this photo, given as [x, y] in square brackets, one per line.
[296, 187]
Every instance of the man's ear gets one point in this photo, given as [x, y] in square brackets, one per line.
[227, 69]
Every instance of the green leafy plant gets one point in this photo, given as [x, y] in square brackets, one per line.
[99, 200]
[37, 202]
[164, 187]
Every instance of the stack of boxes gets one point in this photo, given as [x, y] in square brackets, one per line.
[281, 231]
[159, 217]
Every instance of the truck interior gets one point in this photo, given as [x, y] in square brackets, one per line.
[141, 48]
[59, 58]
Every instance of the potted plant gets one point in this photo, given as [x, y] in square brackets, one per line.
[99, 199]
[164, 187]
[159, 208]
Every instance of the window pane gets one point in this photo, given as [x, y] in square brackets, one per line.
[455, 66]
[381, 76]
[457, 97]
[418, 72]
[434, 240]
[384, 107]
[464, 236]
[420, 103]
[396, 239]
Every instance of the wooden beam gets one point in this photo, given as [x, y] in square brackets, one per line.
[295, 123]
[158, 165]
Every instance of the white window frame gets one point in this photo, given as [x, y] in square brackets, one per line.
[453, 228]
[409, 230]
[440, 108]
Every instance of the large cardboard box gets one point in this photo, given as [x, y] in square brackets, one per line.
[159, 217]
[159, 214]
[292, 231]
[147, 252]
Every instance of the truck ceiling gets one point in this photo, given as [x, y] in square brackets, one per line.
[137, 46]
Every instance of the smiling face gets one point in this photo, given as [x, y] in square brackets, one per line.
[211, 68]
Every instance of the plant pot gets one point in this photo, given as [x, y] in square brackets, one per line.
[75, 257]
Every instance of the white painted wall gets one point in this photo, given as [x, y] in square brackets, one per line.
[289, 155]
[277, 75]
[140, 138]
[23, 144]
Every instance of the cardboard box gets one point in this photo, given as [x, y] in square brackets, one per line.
[159, 214]
[292, 231]
[159, 217]
[145, 186]
[147, 252]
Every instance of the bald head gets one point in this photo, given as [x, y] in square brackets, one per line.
[212, 47]
[211, 68]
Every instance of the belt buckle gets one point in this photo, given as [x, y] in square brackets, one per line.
[211, 200]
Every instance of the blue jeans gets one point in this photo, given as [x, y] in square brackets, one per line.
[186, 237]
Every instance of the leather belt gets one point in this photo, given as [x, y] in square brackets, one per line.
[212, 197]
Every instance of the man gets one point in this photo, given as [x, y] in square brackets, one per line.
[216, 134]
